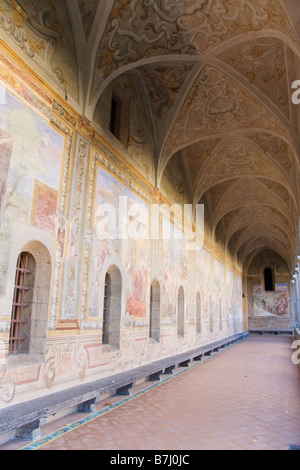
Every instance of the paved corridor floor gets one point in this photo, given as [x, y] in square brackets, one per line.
[246, 398]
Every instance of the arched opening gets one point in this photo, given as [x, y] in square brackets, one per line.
[30, 308]
[198, 313]
[155, 311]
[112, 307]
[106, 309]
[19, 338]
[119, 122]
[180, 317]
[269, 280]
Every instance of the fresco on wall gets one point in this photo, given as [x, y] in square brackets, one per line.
[202, 269]
[6, 144]
[175, 265]
[109, 241]
[219, 275]
[256, 288]
[31, 153]
[44, 207]
[270, 304]
[230, 292]
[36, 151]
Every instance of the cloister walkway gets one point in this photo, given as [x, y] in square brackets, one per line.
[245, 398]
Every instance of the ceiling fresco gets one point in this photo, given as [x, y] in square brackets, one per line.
[217, 79]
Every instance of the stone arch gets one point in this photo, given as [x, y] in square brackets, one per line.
[38, 298]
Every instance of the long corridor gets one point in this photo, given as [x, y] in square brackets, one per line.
[245, 398]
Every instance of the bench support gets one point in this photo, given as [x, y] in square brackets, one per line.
[185, 363]
[169, 370]
[156, 376]
[198, 358]
[124, 390]
[30, 431]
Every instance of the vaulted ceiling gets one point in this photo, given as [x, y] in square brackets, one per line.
[216, 77]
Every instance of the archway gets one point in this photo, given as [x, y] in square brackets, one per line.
[112, 307]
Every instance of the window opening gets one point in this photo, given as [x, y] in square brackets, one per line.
[120, 119]
[112, 308]
[106, 309]
[114, 125]
[21, 308]
[269, 283]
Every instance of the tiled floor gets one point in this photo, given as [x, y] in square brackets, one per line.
[246, 398]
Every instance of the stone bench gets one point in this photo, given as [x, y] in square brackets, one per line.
[27, 418]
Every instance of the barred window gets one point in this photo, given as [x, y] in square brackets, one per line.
[19, 340]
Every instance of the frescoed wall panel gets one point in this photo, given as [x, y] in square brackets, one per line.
[274, 304]
[219, 275]
[31, 161]
[63, 180]
[6, 144]
[111, 240]
[175, 265]
[269, 303]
